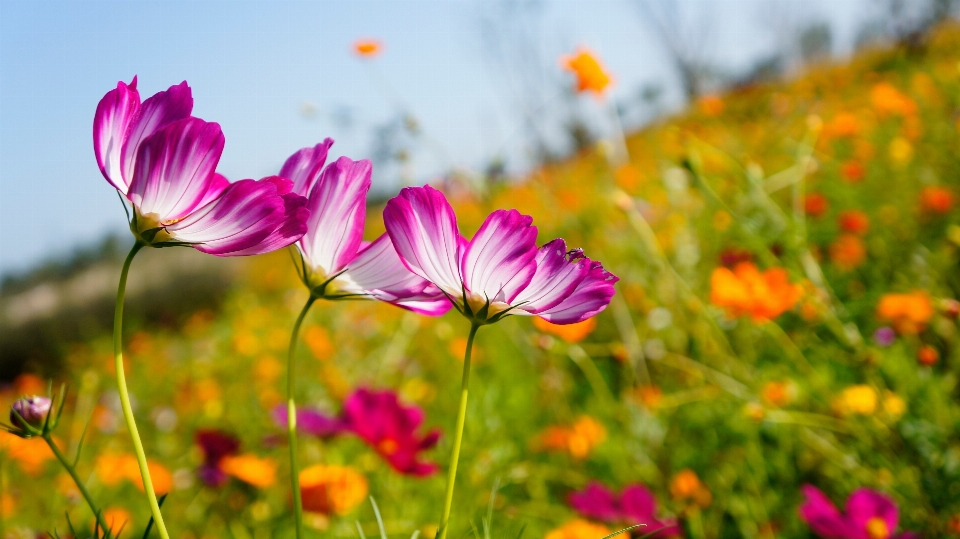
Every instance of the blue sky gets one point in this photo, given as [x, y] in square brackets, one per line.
[254, 66]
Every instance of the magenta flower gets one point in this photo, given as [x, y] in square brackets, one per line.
[163, 160]
[635, 505]
[869, 515]
[215, 445]
[336, 263]
[500, 271]
[380, 420]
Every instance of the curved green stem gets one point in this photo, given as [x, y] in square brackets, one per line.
[292, 419]
[125, 396]
[76, 479]
[458, 436]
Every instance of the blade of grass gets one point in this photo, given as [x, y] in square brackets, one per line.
[376, 511]
[618, 532]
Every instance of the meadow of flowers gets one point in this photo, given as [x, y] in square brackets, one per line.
[777, 359]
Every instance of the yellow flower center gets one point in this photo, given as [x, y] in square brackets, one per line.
[877, 528]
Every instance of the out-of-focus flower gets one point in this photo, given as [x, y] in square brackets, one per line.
[569, 332]
[650, 396]
[815, 204]
[907, 313]
[848, 252]
[113, 468]
[332, 489]
[859, 399]
[854, 222]
[335, 261]
[711, 105]
[260, 472]
[935, 199]
[117, 518]
[869, 515]
[590, 73]
[928, 355]
[844, 124]
[578, 439]
[686, 485]
[163, 161]
[884, 336]
[367, 48]
[746, 291]
[893, 404]
[731, 256]
[500, 271]
[634, 505]
[886, 100]
[950, 308]
[29, 453]
[853, 171]
[579, 529]
[901, 151]
[778, 393]
[30, 411]
[215, 445]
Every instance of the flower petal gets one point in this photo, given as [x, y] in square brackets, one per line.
[430, 302]
[822, 516]
[865, 504]
[175, 168]
[378, 270]
[557, 276]
[216, 187]
[591, 296]
[245, 215]
[424, 232]
[597, 502]
[293, 226]
[311, 421]
[499, 261]
[338, 206]
[303, 168]
[158, 111]
[115, 112]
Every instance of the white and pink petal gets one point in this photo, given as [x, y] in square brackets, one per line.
[304, 167]
[557, 276]
[499, 261]
[157, 112]
[591, 296]
[292, 227]
[115, 112]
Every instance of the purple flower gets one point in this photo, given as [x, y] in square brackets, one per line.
[635, 505]
[884, 336]
[32, 411]
[163, 161]
[215, 445]
[869, 515]
[500, 271]
[380, 420]
[337, 264]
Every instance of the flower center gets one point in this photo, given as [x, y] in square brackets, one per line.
[877, 528]
[388, 446]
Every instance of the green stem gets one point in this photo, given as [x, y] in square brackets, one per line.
[125, 396]
[76, 479]
[292, 419]
[458, 436]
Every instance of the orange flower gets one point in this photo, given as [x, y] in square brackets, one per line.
[117, 518]
[928, 355]
[259, 472]
[746, 291]
[578, 440]
[114, 468]
[853, 221]
[852, 171]
[935, 199]
[886, 99]
[908, 313]
[711, 105]
[332, 489]
[367, 48]
[848, 252]
[815, 204]
[686, 485]
[568, 332]
[778, 393]
[579, 529]
[589, 71]
[30, 453]
[844, 124]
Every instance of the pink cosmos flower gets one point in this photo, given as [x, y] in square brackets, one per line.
[869, 515]
[163, 160]
[500, 271]
[380, 420]
[634, 505]
[336, 263]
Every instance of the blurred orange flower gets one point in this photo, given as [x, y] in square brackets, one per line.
[253, 470]
[848, 252]
[928, 355]
[815, 204]
[711, 105]
[568, 332]
[853, 171]
[367, 48]
[778, 393]
[117, 518]
[114, 468]
[685, 485]
[578, 440]
[844, 124]
[579, 529]
[746, 291]
[332, 489]
[29, 453]
[886, 100]
[936, 199]
[908, 313]
[591, 76]
[854, 221]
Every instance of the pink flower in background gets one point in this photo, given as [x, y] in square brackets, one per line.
[163, 160]
[500, 271]
[634, 505]
[380, 420]
[869, 515]
[337, 264]
[215, 445]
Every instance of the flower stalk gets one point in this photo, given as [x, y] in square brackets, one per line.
[292, 418]
[458, 434]
[125, 396]
[97, 513]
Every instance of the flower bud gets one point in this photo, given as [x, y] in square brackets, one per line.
[32, 410]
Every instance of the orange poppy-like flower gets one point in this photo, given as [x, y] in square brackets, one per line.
[568, 332]
[686, 485]
[367, 48]
[854, 222]
[332, 489]
[908, 313]
[746, 291]
[934, 199]
[579, 529]
[848, 252]
[886, 100]
[29, 453]
[117, 518]
[815, 204]
[928, 355]
[253, 470]
[853, 171]
[114, 468]
[578, 440]
[591, 76]
[711, 105]
[778, 393]
[844, 124]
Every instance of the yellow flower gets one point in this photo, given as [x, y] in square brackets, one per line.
[332, 489]
[893, 404]
[859, 399]
[579, 529]
[256, 471]
[901, 151]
